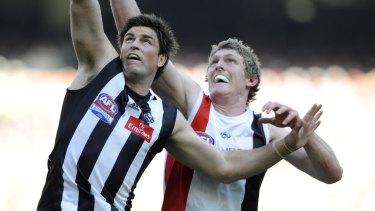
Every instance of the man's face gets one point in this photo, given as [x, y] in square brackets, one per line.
[140, 51]
[226, 74]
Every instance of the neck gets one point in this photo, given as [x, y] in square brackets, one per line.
[138, 87]
[229, 106]
[140, 84]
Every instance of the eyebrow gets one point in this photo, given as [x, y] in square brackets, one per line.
[224, 56]
[143, 35]
[230, 54]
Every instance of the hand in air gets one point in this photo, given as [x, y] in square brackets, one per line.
[303, 130]
[285, 116]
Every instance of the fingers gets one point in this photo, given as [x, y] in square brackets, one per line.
[269, 106]
[312, 112]
[276, 107]
[292, 116]
[266, 120]
[285, 115]
[316, 119]
[288, 117]
[317, 125]
[312, 118]
[297, 126]
[303, 130]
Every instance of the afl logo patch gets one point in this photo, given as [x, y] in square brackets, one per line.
[207, 138]
[105, 108]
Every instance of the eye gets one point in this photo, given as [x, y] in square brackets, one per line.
[147, 41]
[212, 62]
[231, 60]
[128, 38]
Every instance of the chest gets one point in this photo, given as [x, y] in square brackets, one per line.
[232, 133]
[226, 139]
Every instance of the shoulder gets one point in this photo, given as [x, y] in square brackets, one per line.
[107, 71]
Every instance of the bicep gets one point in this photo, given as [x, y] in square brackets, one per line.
[123, 10]
[91, 45]
[177, 87]
[86, 27]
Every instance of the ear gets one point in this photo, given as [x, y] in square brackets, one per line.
[252, 81]
[162, 58]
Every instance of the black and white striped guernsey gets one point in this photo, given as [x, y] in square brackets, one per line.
[106, 138]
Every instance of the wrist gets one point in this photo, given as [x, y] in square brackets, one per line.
[286, 146]
[281, 148]
[289, 143]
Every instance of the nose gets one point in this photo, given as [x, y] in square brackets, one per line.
[134, 44]
[219, 65]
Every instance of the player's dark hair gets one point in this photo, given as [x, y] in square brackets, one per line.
[167, 42]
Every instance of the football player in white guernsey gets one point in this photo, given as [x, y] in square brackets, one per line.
[224, 119]
[111, 126]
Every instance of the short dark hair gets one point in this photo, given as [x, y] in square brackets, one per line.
[167, 42]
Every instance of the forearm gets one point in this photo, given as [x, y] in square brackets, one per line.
[123, 10]
[89, 41]
[323, 160]
[223, 166]
[247, 163]
[229, 166]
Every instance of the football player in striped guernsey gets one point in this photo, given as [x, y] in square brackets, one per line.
[224, 119]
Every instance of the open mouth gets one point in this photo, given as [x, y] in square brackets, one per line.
[132, 56]
[221, 79]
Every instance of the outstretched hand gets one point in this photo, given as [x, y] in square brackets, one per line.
[285, 116]
[303, 130]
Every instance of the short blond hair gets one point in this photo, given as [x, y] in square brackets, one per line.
[250, 60]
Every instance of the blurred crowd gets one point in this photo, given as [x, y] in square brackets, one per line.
[31, 99]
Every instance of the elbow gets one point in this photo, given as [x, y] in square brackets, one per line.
[335, 176]
[226, 176]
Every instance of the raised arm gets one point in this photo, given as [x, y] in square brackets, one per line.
[178, 88]
[123, 10]
[173, 85]
[91, 45]
[316, 158]
[228, 166]
[322, 162]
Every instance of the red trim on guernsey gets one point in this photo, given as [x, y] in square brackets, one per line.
[177, 176]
